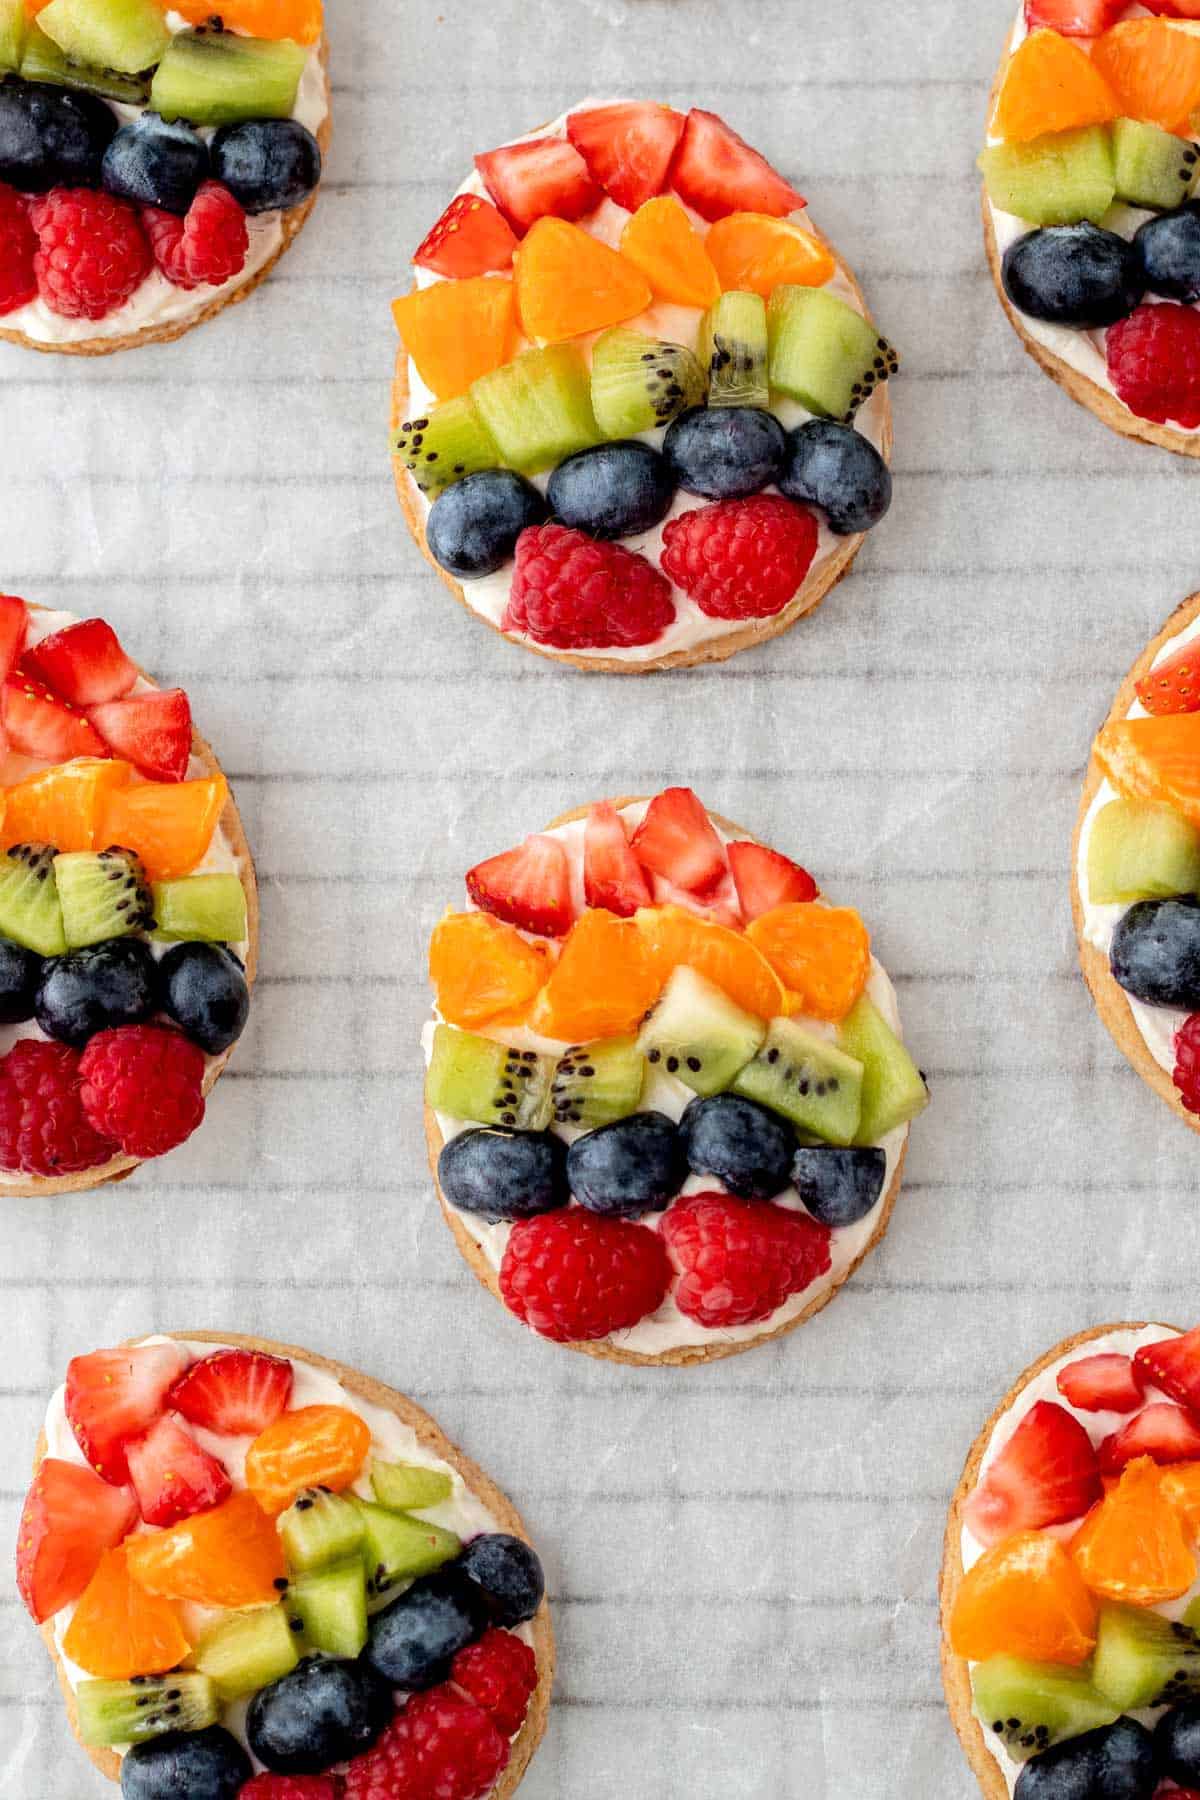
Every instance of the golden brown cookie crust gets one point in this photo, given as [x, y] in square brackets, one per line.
[688, 1355]
[1112, 1003]
[433, 1439]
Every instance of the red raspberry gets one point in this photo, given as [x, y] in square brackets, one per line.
[459, 1750]
[1187, 1063]
[18, 246]
[741, 559]
[577, 594]
[499, 1673]
[389, 1768]
[206, 248]
[572, 1275]
[92, 252]
[1154, 363]
[142, 1085]
[290, 1787]
[43, 1127]
[740, 1259]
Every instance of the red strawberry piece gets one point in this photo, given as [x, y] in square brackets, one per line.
[470, 238]
[1173, 1364]
[529, 887]
[37, 723]
[1078, 18]
[1177, 9]
[576, 594]
[676, 840]
[628, 148]
[44, 1129]
[765, 879]
[114, 1396]
[292, 1787]
[1162, 1431]
[612, 876]
[152, 730]
[143, 1086]
[1104, 1383]
[499, 1673]
[18, 247]
[1172, 686]
[741, 559]
[717, 173]
[1045, 1474]
[205, 249]
[529, 181]
[92, 252]
[70, 1519]
[237, 1393]
[84, 663]
[739, 1260]
[14, 624]
[720, 904]
[1187, 1063]
[574, 1276]
[173, 1476]
[1154, 363]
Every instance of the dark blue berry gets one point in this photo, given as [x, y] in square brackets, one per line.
[50, 137]
[1073, 275]
[1155, 953]
[267, 163]
[156, 164]
[412, 1642]
[1169, 250]
[205, 992]
[612, 491]
[106, 985]
[505, 1174]
[834, 467]
[203, 1765]
[839, 1187]
[1115, 1763]
[747, 1148]
[324, 1712]
[635, 1165]
[725, 452]
[1177, 1744]
[473, 527]
[508, 1575]
[21, 973]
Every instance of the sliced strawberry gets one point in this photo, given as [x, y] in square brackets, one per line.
[1162, 1431]
[766, 880]
[628, 149]
[1177, 9]
[37, 723]
[172, 1476]
[71, 1518]
[470, 238]
[1105, 1383]
[677, 841]
[717, 173]
[1174, 685]
[152, 730]
[529, 887]
[720, 904]
[612, 875]
[114, 1396]
[235, 1392]
[528, 181]
[14, 625]
[1045, 1475]
[84, 663]
[1077, 18]
[1173, 1364]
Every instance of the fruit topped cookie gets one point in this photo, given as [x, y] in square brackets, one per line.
[261, 1574]
[667, 1098]
[128, 911]
[640, 414]
[1092, 232]
[156, 159]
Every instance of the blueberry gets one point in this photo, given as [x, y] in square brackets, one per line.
[505, 1174]
[839, 1187]
[1177, 1744]
[1169, 251]
[324, 1712]
[473, 527]
[20, 977]
[91, 990]
[1155, 953]
[725, 452]
[186, 1765]
[156, 164]
[50, 137]
[205, 992]
[507, 1573]
[1073, 275]
[746, 1147]
[834, 467]
[612, 491]
[412, 1642]
[1115, 1763]
[267, 163]
[635, 1165]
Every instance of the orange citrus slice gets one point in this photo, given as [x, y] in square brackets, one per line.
[728, 958]
[603, 984]
[1024, 1598]
[1052, 84]
[755, 254]
[484, 970]
[1131, 1547]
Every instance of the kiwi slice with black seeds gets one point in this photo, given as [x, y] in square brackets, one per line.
[597, 1083]
[103, 894]
[733, 343]
[641, 383]
[30, 913]
[133, 1712]
[445, 444]
[476, 1078]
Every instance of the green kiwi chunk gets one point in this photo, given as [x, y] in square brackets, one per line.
[444, 445]
[698, 1034]
[248, 1651]
[1152, 168]
[13, 26]
[209, 907]
[538, 408]
[330, 1607]
[1031, 1706]
[733, 344]
[221, 78]
[1057, 180]
[476, 1078]
[1143, 1659]
[30, 913]
[409, 1487]
[126, 36]
[1138, 850]
[808, 1080]
[597, 1083]
[320, 1528]
[398, 1548]
[824, 354]
[103, 894]
[133, 1712]
[641, 383]
[893, 1088]
[42, 60]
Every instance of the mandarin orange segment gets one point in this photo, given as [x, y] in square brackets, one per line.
[1180, 1487]
[456, 331]
[1131, 1547]
[302, 20]
[315, 1446]
[170, 825]
[484, 970]
[755, 254]
[231, 1556]
[1024, 1598]
[1153, 68]
[568, 283]
[118, 1629]
[822, 954]
[63, 806]
[661, 241]
[603, 985]
[1155, 759]
[1051, 84]
[726, 957]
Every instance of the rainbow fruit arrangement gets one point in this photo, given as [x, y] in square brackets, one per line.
[94, 200]
[1074, 1616]
[222, 1568]
[1091, 144]
[702, 1024]
[117, 980]
[606, 320]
